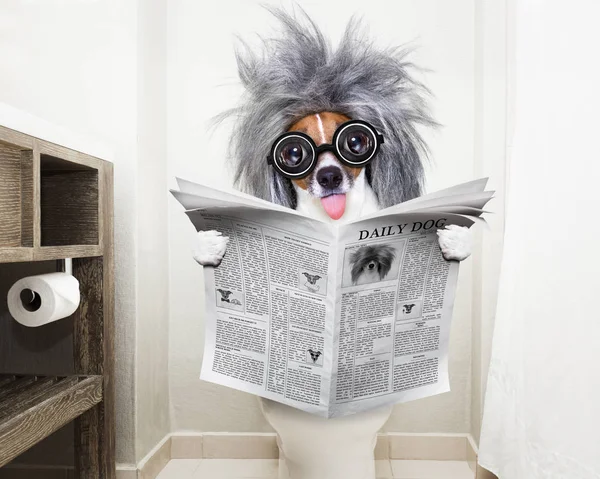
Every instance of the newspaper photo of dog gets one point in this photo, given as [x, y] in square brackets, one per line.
[409, 310]
[314, 357]
[312, 282]
[373, 263]
[229, 299]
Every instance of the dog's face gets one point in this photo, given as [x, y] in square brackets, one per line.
[408, 308]
[312, 278]
[314, 355]
[371, 263]
[330, 181]
[224, 294]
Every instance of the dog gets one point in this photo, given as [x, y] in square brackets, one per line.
[311, 283]
[407, 308]
[312, 279]
[225, 294]
[314, 355]
[300, 87]
[225, 297]
[371, 263]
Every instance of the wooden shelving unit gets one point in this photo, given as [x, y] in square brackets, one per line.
[56, 203]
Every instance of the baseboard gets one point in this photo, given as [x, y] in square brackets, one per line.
[127, 471]
[395, 446]
[472, 455]
[182, 445]
[472, 452]
[441, 447]
[155, 460]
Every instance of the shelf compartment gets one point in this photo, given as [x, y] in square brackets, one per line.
[69, 202]
[33, 407]
[16, 196]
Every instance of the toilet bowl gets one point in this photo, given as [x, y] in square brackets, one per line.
[314, 447]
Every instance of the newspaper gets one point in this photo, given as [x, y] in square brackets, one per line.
[332, 319]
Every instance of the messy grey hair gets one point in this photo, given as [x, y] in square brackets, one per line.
[299, 74]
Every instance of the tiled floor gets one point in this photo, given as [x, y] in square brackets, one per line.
[267, 469]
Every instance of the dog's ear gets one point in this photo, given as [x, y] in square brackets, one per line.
[355, 272]
[307, 275]
[317, 277]
[356, 262]
[385, 256]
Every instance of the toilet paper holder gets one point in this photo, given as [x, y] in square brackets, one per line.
[31, 300]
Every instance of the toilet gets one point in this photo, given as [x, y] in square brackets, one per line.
[313, 447]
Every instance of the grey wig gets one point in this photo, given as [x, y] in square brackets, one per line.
[300, 74]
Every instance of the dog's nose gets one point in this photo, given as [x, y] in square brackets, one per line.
[330, 177]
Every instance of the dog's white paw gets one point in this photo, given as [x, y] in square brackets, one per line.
[210, 248]
[455, 242]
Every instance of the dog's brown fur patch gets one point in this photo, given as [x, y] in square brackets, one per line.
[321, 127]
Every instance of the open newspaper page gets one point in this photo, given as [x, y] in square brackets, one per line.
[394, 301]
[267, 306]
[331, 319]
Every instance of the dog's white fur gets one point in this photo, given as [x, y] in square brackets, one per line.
[210, 248]
[368, 276]
[455, 242]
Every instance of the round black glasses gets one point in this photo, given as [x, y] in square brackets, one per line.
[294, 154]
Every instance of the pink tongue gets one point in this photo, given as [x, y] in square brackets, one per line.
[334, 205]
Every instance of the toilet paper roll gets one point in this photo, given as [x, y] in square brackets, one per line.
[37, 300]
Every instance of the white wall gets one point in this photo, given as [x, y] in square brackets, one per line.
[492, 63]
[202, 82]
[152, 326]
[75, 64]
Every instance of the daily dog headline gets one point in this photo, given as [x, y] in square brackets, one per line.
[393, 230]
